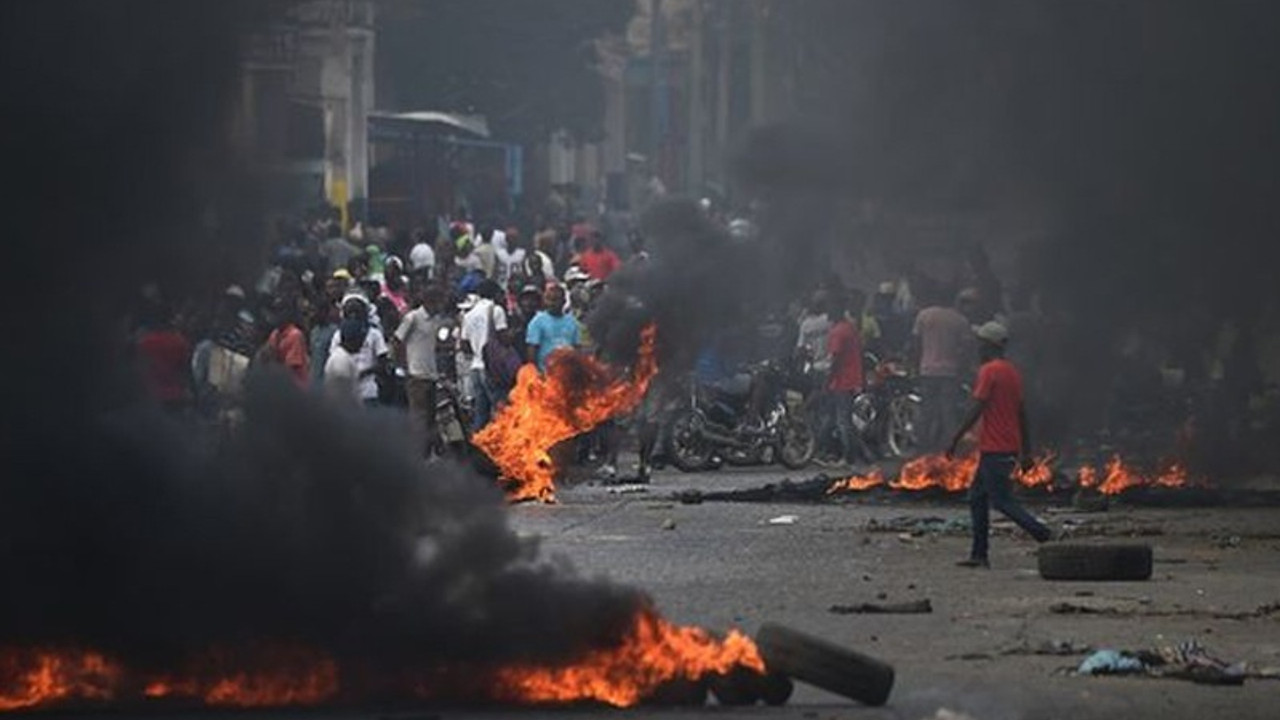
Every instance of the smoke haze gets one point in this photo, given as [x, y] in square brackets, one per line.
[126, 531]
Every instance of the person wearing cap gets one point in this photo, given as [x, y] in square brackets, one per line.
[1003, 441]
[943, 352]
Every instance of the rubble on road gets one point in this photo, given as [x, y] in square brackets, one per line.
[912, 607]
[1185, 661]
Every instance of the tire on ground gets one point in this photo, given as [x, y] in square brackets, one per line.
[825, 665]
[1095, 562]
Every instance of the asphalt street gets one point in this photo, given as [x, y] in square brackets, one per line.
[723, 565]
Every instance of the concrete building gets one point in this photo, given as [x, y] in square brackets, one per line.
[307, 87]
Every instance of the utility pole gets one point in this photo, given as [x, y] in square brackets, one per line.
[725, 34]
[658, 66]
[759, 58]
[697, 101]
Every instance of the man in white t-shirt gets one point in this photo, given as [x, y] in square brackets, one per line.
[372, 354]
[481, 320]
[415, 342]
[510, 257]
[341, 375]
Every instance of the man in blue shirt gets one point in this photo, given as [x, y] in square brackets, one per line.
[551, 329]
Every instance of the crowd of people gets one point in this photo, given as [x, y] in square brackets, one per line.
[368, 319]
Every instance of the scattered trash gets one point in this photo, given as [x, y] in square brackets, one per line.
[1110, 662]
[784, 520]
[627, 489]
[916, 526]
[914, 607]
[1185, 661]
[669, 524]
[1080, 609]
[946, 714]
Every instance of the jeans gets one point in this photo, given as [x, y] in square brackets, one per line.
[839, 412]
[940, 414]
[482, 410]
[992, 488]
[421, 392]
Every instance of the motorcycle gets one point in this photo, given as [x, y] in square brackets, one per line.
[452, 415]
[708, 428]
[887, 413]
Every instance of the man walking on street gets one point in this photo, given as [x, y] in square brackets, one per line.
[1002, 441]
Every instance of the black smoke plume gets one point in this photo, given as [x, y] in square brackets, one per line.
[701, 283]
[126, 531]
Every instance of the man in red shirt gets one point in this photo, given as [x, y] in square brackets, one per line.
[1002, 440]
[845, 381]
[598, 260]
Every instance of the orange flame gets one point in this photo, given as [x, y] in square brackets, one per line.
[32, 678]
[273, 677]
[930, 471]
[1117, 477]
[576, 394]
[857, 483]
[653, 652]
[938, 471]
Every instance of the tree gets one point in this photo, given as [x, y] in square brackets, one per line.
[528, 67]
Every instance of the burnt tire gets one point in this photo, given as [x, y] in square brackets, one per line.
[776, 689]
[825, 665]
[1095, 562]
[739, 687]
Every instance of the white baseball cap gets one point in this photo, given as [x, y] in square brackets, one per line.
[993, 332]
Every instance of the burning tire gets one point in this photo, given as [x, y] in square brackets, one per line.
[1095, 562]
[796, 442]
[688, 449]
[825, 665]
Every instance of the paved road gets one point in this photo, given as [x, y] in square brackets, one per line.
[721, 565]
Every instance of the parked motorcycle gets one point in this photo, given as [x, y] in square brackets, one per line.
[709, 426]
[887, 412]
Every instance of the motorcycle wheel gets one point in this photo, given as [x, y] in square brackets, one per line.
[796, 442]
[686, 447]
[900, 433]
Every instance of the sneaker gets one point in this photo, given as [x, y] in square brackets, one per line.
[607, 471]
[975, 563]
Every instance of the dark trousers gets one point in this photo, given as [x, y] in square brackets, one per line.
[839, 415]
[992, 488]
[421, 394]
[483, 407]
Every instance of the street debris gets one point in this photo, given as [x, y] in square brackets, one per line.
[1070, 608]
[1185, 661]
[913, 607]
[918, 526]
[1053, 648]
[669, 524]
[784, 520]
